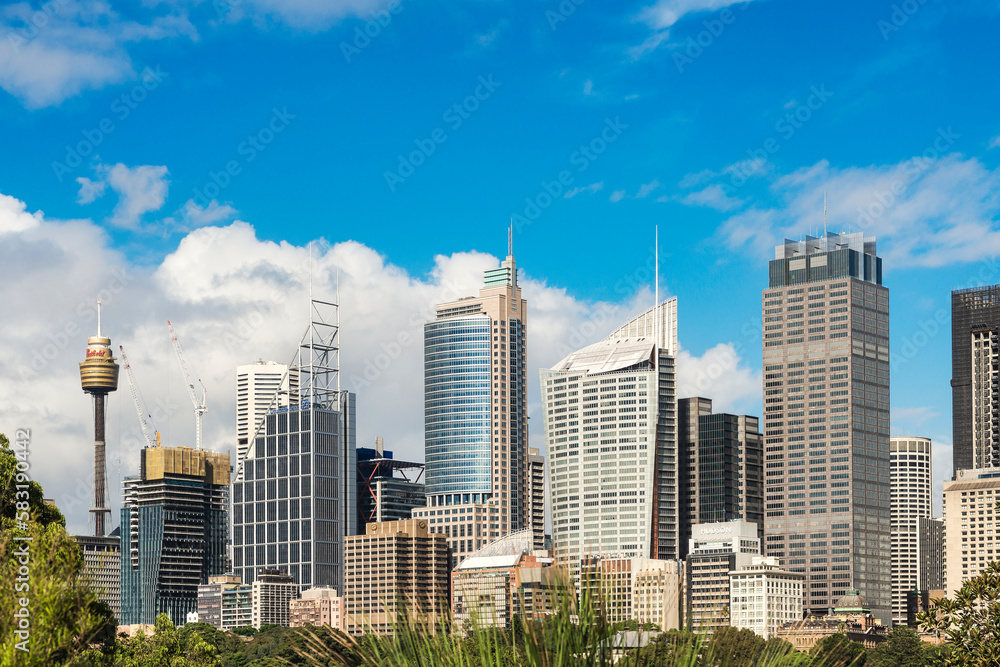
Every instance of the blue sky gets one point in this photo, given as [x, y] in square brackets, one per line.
[723, 123]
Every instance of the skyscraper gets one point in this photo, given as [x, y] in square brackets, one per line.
[975, 351]
[721, 467]
[826, 418]
[535, 496]
[970, 505]
[294, 495]
[258, 385]
[388, 489]
[174, 532]
[610, 416]
[475, 412]
[910, 500]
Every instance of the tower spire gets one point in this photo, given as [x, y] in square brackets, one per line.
[824, 213]
[510, 239]
[98, 318]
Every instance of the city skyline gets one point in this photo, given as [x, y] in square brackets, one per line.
[118, 189]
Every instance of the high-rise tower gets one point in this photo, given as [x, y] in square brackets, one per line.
[99, 377]
[610, 414]
[975, 352]
[475, 413]
[826, 418]
[910, 496]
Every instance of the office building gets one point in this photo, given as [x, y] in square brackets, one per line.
[319, 607]
[716, 550]
[396, 569]
[762, 597]
[174, 532]
[975, 323]
[610, 416]
[930, 554]
[475, 412]
[826, 418]
[910, 500]
[642, 589]
[388, 488]
[502, 580]
[261, 387]
[224, 602]
[721, 467]
[102, 566]
[271, 592]
[969, 509]
[535, 496]
[295, 492]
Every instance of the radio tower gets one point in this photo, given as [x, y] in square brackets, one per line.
[99, 377]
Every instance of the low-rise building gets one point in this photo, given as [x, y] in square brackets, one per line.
[851, 616]
[762, 597]
[102, 566]
[272, 590]
[715, 550]
[317, 606]
[501, 580]
[394, 566]
[224, 602]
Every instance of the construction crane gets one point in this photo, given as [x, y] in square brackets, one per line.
[200, 408]
[140, 408]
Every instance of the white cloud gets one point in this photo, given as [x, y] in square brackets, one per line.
[588, 87]
[14, 216]
[89, 190]
[232, 297]
[712, 196]
[66, 47]
[140, 190]
[995, 142]
[647, 188]
[912, 205]
[648, 45]
[310, 15]
[722, 375]
[617, 196]
[665, 13]
[593, 187]
[199, 216]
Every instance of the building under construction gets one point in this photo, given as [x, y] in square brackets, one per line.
[174, 532]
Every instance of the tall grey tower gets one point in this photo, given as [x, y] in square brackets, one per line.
[975, 351]
[826, 418]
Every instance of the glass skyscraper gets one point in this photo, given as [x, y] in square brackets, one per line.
[174, 532]
[826, 418]
[975, 384]
[475, 415]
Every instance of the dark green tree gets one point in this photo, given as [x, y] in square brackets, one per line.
[838, 651]
[970, 621]
[903, 648]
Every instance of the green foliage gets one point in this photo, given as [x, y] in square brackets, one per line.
[903, 648]
[970, 622]
[64, 616]
[838, 651]
[245, 631]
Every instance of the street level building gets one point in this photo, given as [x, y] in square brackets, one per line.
[826, 418]
[910, 500]
[396, 566]
[224, 602]
[610, 416]
[763, 597]
[174, 532]
[319, 607]
[502, 580]
[971, 539]
[272, 590]
[639, 589]
[102, 566]
[716, 549]
[722, 467]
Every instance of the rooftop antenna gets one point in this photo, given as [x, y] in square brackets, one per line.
[98, 318]
[510, 239]
[656, 297]
[824, 213]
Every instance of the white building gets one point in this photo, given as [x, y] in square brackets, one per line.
[762, 596]
[909, 500]
[260, 386]
[608, 463]
[971, 537]
[271, 594]
[715, 550]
